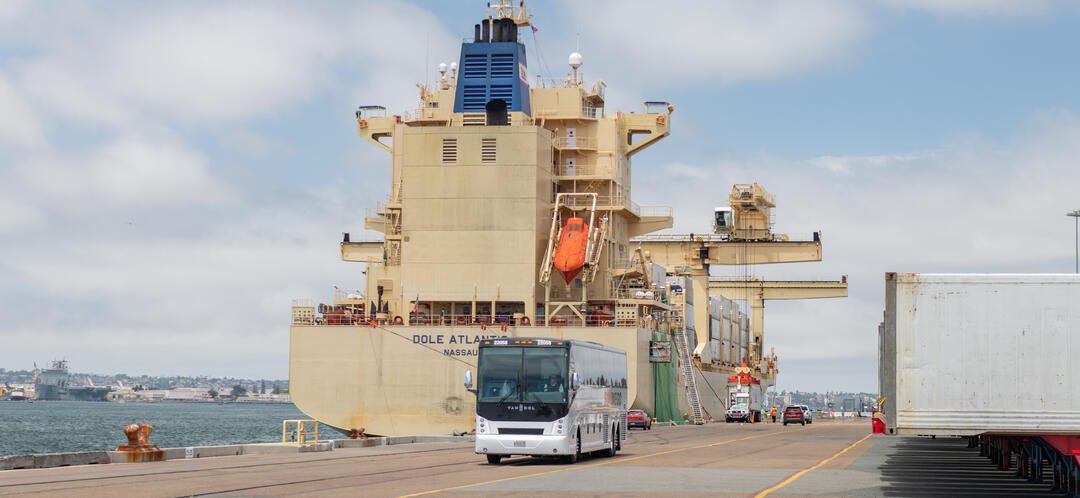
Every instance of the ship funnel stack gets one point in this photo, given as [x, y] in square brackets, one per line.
[493, 67]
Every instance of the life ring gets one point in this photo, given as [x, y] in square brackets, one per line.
[504, 327]
[661, 119]
[374, 323]
[525, 321]
[363, 123]
[483, 325]
[398, 320]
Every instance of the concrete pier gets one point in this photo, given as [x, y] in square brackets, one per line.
[829, 458]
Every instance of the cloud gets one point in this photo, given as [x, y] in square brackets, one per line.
[19, 124]
[188, 63]
[967, 205]
[130, 170]
[1003, 8]
[721, 41]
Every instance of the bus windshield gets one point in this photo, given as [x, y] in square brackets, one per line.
[529, 375]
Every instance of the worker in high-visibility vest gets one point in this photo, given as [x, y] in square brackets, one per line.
[773, 414]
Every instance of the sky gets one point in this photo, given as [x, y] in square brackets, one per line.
[173, 174]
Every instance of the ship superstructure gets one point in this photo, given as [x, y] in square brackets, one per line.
[509, 214]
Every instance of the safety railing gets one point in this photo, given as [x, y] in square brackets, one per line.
[585, 143]
[348, 295]
[618, 200]
[656, 211]
[483, 322]
[299, 431]
[585, 169]
[586, 112]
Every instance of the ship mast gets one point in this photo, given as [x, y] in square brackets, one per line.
[506, 10]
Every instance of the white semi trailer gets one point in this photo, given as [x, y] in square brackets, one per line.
[989, 356]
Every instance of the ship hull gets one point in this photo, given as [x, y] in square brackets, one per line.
[54, 393]
[400, 380]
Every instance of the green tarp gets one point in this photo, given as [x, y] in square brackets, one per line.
[666, 385]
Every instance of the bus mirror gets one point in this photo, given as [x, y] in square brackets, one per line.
[468, 379]
[575, 380]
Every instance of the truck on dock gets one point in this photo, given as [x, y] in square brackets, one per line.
[987, 356]
[744, 403]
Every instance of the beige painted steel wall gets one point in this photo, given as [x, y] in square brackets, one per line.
[379, 380]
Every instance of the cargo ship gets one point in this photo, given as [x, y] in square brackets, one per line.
[510, 214]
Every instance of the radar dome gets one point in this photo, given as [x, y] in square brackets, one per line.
[575, 60]
[442, 67]
[453, 66]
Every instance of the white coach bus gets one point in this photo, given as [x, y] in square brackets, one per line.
[548, 397]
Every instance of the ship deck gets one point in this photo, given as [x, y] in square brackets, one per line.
[829, 458]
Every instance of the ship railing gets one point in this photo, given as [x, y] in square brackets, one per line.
[348, 295]
[303, 311]
[805, 279]
[618, 200]
[640, 293]
[584, 143]
[482, 322]
[586, 112]
[585, 169]
[656, 211]
[680, 237]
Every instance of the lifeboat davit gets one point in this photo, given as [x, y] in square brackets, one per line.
[570, 251]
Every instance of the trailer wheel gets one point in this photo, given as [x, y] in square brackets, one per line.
[494, 459]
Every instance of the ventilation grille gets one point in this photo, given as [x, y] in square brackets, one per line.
[504, 92]
[487, 150]
[475, 66]
[449, 150]
[474, 119]
[502, 66]
[474, 98]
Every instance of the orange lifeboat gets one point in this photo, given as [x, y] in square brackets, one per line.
[570, 251]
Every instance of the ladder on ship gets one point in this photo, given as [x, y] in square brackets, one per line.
[687, 361]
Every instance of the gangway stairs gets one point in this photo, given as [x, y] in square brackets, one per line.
[687, 361]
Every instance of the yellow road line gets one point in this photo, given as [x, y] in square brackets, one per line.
[607, 462]
[787, 481]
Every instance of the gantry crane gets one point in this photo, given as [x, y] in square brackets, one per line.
[756, 292]
[742, 235]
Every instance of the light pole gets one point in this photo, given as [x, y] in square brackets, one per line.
[1076, 229]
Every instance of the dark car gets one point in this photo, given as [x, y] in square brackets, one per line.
[638, 418]
[794, 415]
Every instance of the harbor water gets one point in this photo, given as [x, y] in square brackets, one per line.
[59, 426]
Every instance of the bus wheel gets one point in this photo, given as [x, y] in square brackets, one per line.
[611, 450]
[494, 459]
[576, 455]
[618, 439]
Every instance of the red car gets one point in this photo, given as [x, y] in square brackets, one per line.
[794, 415]
[638, 418]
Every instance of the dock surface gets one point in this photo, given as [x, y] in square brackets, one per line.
[826, 458]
